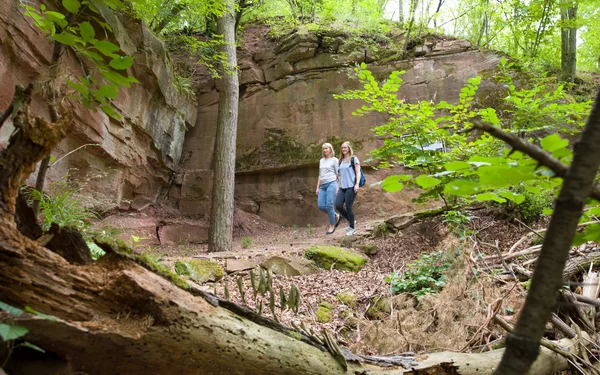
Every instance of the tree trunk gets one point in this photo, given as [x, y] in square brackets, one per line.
[523, 343]
[401, 11]
[40, 180]
[220, 235]
[568, 44]
[413, 9]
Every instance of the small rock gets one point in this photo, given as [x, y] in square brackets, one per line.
[369, 249]
[236, 265]
[289, 266]
[336, 257]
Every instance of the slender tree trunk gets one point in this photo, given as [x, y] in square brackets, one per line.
[40, 180]
[221, 213]
[400, 11]
[413, 10]
[568, 43]
[522, 344]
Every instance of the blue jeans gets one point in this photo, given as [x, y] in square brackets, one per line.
[326, 199]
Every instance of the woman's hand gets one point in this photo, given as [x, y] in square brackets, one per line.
[317, 191]
[356, 188]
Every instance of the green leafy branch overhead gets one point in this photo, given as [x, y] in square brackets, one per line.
[77, 27]
[473, 167]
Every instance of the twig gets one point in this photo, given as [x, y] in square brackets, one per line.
[562, 326]
[530, 228]
[70, 152]
[536, 153]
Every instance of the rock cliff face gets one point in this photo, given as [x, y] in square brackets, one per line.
[163, 146]
[128, 162]
[287, 111]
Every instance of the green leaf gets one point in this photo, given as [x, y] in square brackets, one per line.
[553, 142]
[547, 211]
[392, 184]
[116, 78]
[68, 39]
[29, 345]
[457, 166]
[14, 311]
[462, 187]
[533, 189]
[121, 62]
[80, 88]
[87, 31]
[108, 91]
[106, 48]
[426, 181]
[41, 315]
[8, 332]
[489, 197]
[592, 233]
[71, 5]
[109, 110]
[517, 198]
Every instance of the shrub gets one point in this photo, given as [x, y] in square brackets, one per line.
[534, 205]
[424, 276]
[246, 242]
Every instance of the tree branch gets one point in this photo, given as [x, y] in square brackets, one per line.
[536, 153]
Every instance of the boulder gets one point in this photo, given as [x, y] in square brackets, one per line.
[199, 270]
[327, 257]
[369, 249]
[278, 71]
[183, 234]
[403, 221]
[289, 266]
[254, 74]
[237, 265]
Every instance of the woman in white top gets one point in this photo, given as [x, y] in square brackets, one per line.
[327, 185]
[349, 185]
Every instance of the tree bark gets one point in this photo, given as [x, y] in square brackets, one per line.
[523, 342]
[401, 11]
[568, 44]
[220, 234]
[40, 180]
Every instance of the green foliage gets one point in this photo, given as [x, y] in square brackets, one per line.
[72, 27]
[347, 299]
[323, 313]
[535, 204]
[457, 222]
[64, 207]
[246, 242]
[425, 275]
[472, 168]
[10, 333]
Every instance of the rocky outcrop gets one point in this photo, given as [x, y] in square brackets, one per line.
[287, 111]
[128, 162]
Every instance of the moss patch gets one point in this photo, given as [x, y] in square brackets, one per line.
[114, 245]
[328, 256]
[152, 262]
[199, 270]
[347, 299]
[323, 313]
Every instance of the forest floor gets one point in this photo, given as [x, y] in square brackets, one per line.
[445, 321]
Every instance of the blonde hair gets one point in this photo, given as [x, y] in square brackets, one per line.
[330, 147]
[350, 151]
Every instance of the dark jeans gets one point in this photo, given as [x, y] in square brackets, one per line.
[346, 196]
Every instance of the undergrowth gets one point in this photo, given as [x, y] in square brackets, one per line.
[425, 275]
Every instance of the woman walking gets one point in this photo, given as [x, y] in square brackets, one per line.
[349, 184]
[327, 185]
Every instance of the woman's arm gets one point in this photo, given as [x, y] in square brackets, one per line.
[357, 174]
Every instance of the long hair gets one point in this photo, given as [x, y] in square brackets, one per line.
[350, 151]
[330, 147]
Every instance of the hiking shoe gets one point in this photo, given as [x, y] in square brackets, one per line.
[351, 232]
[348, 227]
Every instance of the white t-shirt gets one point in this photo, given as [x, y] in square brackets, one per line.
[328, 169]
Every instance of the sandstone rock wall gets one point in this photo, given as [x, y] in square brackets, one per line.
[128, 162]
[287, 111]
